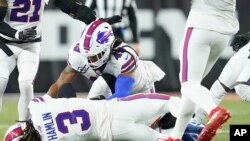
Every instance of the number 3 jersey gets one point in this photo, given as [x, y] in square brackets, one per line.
[123, 59]
[23, 14]
[73, 119]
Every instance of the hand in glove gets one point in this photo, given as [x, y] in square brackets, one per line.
[28, 34]
[239, 41]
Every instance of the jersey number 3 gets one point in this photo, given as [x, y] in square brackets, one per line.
[20, 14]
[72, 117]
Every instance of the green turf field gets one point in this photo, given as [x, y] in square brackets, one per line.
[239, 109]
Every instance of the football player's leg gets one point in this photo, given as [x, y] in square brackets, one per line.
[194, 57]
[27, 64]
[138, 108]
[217, 115]
[225, 81]
[137, 132]
[243, 83]
[7, 64]
[229, 75]
[218, 92]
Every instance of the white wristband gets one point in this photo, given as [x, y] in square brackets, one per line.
[17, 35]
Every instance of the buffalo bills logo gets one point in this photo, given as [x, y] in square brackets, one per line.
[103, 37]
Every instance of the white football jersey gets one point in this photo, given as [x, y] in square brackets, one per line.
[216, 15]
[123, 59]
[22, 14]
[73, 119]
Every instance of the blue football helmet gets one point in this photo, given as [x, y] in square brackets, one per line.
[192, 131]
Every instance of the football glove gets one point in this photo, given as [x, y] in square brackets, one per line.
[239, 41]
[112, 20]
[28, 34]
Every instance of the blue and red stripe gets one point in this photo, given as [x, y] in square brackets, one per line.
[147, 96]
[184, 77]
[15, 133]
[89, 33]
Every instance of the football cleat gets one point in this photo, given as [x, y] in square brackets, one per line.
[217, 116]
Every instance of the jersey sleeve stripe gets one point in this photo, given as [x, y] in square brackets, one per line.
[35, 100]
[127, 63]
[129, 68]
[40, 98]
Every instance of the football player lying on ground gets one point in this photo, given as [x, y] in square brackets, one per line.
[82, 119]
[236, 74]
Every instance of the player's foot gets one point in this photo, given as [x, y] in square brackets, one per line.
[217, 116]
[171, 139]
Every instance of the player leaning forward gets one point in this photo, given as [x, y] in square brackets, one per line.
[98, 52]
[20, 41]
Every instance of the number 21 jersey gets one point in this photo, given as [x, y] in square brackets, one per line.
[22, 14]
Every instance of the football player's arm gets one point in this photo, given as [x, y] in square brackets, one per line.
[66, 76]
[240, 40]
[5, 29]
[123, 85]
[125, 80]
[76, 9]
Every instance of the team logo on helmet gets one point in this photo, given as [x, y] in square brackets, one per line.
[103, 37]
